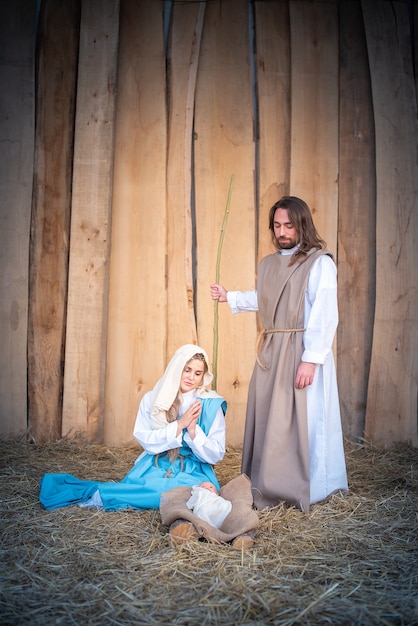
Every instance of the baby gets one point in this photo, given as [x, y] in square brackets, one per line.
[208, 505]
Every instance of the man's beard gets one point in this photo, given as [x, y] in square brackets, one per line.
[286, 244]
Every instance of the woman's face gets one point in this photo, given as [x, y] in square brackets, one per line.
[192, 375]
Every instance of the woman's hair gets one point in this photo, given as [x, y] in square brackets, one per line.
[199, 357]
[301, 218]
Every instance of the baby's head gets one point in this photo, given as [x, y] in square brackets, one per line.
[209, 486]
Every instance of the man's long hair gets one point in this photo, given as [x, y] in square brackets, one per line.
[301, 218]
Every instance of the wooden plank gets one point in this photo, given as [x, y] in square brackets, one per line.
[58, 36]
[186, 31]
[224, 146]
[357, 221]
[17, 106]
[136, 349]
[272, 65]
[414, 29]
[392, 393]
[85, 350]
[314, 114]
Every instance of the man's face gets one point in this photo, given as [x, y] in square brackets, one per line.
[285, 232]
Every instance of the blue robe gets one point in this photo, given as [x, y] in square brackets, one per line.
[143, 485]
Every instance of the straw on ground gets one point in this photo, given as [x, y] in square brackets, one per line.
[352, 560]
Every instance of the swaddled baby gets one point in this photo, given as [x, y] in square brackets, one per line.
[208, 505]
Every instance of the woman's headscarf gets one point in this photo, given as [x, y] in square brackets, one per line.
[167, 388]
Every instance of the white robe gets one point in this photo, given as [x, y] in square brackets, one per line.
[208, 448]
[327, 463]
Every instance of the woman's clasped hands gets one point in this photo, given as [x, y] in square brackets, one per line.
[189, 419]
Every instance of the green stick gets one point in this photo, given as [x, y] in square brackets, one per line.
[217, 279]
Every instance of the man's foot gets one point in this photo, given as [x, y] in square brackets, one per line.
[181, 531]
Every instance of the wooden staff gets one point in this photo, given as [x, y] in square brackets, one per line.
[217, 280]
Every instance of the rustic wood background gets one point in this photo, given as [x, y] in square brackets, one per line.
[122, 123]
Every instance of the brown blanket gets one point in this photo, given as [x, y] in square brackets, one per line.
[241, 519]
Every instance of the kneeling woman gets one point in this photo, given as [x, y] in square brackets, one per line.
[181, 427]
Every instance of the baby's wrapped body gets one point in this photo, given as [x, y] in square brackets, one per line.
[237, 527]
[208, 505]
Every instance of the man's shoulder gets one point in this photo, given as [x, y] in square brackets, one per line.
[269, 258]
[326, 256]
[316, 254]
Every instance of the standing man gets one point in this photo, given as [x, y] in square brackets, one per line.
[293, 445]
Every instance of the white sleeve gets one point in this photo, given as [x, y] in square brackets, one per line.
[154, 441]
[211, 447]
[321, 311]
[241, 301]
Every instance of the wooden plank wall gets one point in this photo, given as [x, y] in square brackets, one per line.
[17, 127]
[183, 58]
[224, 147]
[314, 112]
[391, 411]
[356, 221]
[85, 348]
[136, 350]
[59, 27]
[316, 99]
[272, 67]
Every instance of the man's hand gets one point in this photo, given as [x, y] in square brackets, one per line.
[218, 292]
[305, 375]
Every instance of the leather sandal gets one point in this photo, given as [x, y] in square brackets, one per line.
[182, 530]
[246, 540]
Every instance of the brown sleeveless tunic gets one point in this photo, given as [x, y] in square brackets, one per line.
[276, 452]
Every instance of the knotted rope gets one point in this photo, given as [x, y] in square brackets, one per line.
[264, 332]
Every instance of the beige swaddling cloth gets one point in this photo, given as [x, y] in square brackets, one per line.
[209, 506]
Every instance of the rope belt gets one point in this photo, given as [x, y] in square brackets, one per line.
[264, 332]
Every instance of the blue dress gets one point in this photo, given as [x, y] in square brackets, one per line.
[143, 485]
